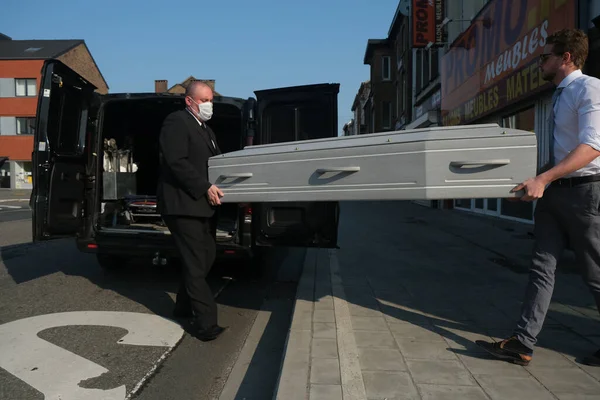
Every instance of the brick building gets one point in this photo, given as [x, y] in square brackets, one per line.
[162, 86]
[21, 64]
[361, 119]
[381, 106]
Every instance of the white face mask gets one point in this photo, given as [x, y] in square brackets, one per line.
[205, 110]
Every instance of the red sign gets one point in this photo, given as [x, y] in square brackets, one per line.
[494, 62]
[423, 22]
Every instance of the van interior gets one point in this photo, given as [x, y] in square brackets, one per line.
[130, 162]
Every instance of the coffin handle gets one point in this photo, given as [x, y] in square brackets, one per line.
[238, 175]
[338, 169]
[460, 164]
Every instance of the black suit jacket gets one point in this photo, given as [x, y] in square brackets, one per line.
[184, 150]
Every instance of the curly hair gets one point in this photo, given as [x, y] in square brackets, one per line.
[572, 41]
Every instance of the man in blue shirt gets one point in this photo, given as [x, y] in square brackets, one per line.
[570, 185]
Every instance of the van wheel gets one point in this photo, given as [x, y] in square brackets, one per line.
[109, 262]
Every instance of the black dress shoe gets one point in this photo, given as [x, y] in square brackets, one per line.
[209, 334]
[593, 360]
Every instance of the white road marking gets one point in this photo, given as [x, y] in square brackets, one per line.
[10, 207]
[56, 372]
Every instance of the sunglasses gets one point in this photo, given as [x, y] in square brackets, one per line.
[545, 56]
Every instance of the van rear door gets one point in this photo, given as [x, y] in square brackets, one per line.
[292, 114]
[59, 155]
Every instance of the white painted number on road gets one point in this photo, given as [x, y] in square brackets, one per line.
[57, 372]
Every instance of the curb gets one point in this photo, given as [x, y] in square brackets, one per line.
[12, 200]
[294, 375]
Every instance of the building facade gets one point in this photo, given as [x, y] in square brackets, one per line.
[381, 105]
[358, 108]
[162, 86]
[490, 74]
[399, 33]
[21, 63]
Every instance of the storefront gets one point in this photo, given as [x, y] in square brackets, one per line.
[490, 74]
[5, 176]
[23, 175]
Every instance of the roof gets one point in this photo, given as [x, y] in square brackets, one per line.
[371, 45]
[35, 49]
[403, 10]
[190, 79]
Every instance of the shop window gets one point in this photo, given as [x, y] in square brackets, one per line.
[5, 176]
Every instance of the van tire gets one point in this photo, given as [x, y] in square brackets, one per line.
[109, 262]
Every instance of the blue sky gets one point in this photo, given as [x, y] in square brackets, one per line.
[243, 45]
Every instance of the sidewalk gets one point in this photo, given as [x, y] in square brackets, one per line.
[395, 312]
[14, 195]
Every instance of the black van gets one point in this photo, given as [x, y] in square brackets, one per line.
[111, 211]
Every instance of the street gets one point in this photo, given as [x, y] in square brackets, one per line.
[398, 307]
[13, 210]
[54, 278]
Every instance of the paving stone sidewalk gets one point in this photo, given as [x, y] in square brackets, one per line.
[394, 313]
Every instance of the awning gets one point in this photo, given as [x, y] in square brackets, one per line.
[427, 119]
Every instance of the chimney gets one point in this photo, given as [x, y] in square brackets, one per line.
[160, 86]
[210, 82]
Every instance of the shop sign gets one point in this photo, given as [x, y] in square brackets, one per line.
[428, 17]
[430, 103]
[494, 63]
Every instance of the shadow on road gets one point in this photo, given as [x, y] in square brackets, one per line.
[270, 288]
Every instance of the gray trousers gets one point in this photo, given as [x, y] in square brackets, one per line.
[563, 214]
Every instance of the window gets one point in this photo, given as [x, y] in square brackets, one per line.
[419, 71]
[26, 87]
[25, 126]
[425, 68]
[386, 74]
[398, 99]
[435, 63]
[386, 111]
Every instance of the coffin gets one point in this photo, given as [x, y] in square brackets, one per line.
[473, 161]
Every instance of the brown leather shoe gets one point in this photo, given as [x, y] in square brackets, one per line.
[511, 350]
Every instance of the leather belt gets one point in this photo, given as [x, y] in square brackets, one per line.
[576, 180]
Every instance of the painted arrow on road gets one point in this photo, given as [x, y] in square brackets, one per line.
[57, 372]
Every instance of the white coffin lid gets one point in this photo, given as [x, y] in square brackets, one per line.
[434, 133]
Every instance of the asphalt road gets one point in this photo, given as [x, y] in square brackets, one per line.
[14, 210]
[81, 339]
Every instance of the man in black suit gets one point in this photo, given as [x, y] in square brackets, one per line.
[187, 203]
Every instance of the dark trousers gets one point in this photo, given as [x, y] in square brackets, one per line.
[563, 214]
[195, 243]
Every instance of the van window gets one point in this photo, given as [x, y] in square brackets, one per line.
[304, 121]
[67, 120]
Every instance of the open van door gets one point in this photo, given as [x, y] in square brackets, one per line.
[59, 154]
[287, 115]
